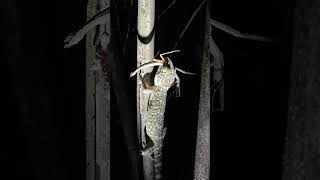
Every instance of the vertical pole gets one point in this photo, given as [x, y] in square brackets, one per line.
[202, 157]
[145, 53]
[97, 98]
[302, 148]
[102, 101]
[90, 100]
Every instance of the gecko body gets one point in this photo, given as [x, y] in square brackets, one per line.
[164, 78]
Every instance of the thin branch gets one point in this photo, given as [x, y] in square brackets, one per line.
[75, 37]
[165, 10]
[236, 33]
[188, 24]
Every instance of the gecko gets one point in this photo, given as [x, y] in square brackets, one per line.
[164, 78]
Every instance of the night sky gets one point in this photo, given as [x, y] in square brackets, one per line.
[43, 126]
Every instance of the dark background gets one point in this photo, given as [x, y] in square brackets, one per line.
[248, 136]
[43, 128]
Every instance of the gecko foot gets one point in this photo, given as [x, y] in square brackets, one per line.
[147, 151]
[147, 154]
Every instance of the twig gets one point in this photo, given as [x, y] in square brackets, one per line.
[237, 33]
[188, 24]
[75, 37]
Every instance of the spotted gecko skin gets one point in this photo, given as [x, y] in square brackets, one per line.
[164, 79]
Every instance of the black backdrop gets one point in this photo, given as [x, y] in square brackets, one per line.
[43, 123]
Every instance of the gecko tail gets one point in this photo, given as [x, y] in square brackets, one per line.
[157, 159]
[158, 163]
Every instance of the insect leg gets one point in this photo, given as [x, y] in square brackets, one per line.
[149, 64]
[184, 72]
[178, 84]
[161, 55]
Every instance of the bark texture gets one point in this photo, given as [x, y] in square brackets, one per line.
[90, 100]
[302, 151]
[97, 95]
[202, 157]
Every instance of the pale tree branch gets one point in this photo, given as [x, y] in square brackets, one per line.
[76, 36]
[236, 33]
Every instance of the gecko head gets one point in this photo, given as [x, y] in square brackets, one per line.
[167, 63]
[165, 75]
[165, 68]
